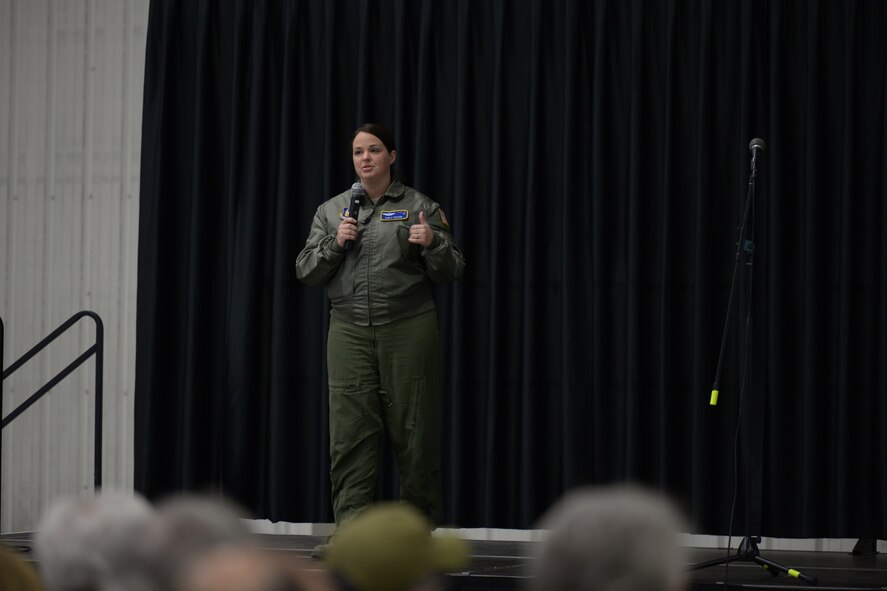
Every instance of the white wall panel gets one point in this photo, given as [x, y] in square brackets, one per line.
[71, 75]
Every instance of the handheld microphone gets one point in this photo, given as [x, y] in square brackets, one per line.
[357, 195]
[755, 146]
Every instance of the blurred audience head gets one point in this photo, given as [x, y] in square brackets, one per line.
[16, 574]
[184, 528]
[617, 538]
[245, 568]
[390, 547]
[80, 543]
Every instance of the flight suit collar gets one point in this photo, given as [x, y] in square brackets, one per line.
[395, 192]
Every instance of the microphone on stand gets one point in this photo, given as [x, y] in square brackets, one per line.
[357, 195]
[755, 146]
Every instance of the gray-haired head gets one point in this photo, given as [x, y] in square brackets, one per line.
[80, 542]
[616, 538]
[184, 528]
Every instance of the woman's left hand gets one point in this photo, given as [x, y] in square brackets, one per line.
[421, 233]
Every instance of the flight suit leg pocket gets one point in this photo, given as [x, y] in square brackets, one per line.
[350, 421]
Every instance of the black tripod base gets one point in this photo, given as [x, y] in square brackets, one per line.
[748, 552]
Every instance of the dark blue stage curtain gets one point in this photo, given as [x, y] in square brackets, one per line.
[593, 160]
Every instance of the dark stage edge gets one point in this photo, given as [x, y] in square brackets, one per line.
[504, 565]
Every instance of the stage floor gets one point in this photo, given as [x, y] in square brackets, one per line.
[503, 565]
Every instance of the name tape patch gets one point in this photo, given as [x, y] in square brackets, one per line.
[391, 216]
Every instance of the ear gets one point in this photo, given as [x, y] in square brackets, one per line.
[393, 155]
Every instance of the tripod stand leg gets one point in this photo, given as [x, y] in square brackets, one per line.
[775, 568]
[748, 551]
[716, 561]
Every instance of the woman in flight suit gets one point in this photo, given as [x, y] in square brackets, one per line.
[383, 351]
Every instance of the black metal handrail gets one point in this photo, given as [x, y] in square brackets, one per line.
[96, 349]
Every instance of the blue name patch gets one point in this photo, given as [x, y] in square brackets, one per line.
[390, 216]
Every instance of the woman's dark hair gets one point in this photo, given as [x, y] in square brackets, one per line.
[378, 130]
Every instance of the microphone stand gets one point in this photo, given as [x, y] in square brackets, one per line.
[748, 548]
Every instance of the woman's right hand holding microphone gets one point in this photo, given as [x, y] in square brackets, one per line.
[347, 231]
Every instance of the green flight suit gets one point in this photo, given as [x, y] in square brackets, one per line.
[383, 350]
